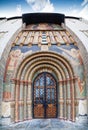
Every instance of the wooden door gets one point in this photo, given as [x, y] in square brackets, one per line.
[44, 96]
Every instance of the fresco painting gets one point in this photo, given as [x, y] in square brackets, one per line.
[71, 53]
[12, 62]
[44, 26]
[13, 59]
[82, 86]
[77, 63]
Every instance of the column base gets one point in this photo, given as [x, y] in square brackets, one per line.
[5, 121]
[82, 119]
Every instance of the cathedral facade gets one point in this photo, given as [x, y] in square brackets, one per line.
[43, 67]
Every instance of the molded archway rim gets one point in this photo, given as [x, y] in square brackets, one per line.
[39, 56]
[40, 62]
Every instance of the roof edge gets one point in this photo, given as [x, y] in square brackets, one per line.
[32, 18]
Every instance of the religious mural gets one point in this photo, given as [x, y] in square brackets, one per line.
[18, 90]
[44, 26]
[70, 52]
[13, 59]
[75, 59]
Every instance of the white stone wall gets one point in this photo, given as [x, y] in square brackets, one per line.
[9, 29]
[82, 107]
[77, 26]
[77, 29]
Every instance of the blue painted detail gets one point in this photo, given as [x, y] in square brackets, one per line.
[57, 49]
[25, 49]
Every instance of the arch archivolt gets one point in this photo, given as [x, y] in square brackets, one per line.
[23, 79]
[41, 54]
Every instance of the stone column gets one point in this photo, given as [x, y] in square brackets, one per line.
[60, 99]
[12, 90]
[69, 110]
[65, 94]
[48, 40]
[72, 99]
[21, 105]
[25, 100]
[29, 100]
[12, 112]
[21, 111]
[16, 101]
[68, 101]
[39, 40]
[12, 101]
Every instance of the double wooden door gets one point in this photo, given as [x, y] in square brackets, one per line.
[44, 96]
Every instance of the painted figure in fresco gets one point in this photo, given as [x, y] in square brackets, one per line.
[81, 84]
[56, 26]
[40, 26]
[76, 60]
[74, 56]
[44, 26]
[13, 59]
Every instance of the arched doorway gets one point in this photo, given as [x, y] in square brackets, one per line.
[46, 64]
[44, 96]
[56, 66]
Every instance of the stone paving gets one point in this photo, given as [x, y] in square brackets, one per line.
[45, 124]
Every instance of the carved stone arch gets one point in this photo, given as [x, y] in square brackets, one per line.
[48, 62]
[28, 58]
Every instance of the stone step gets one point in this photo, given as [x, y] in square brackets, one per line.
[45, 124]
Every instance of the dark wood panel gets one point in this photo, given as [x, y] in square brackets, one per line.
[39, 111]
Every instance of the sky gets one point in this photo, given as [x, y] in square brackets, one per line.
[77, 8]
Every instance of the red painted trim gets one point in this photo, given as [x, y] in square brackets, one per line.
[21, 81]
[68, 79]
